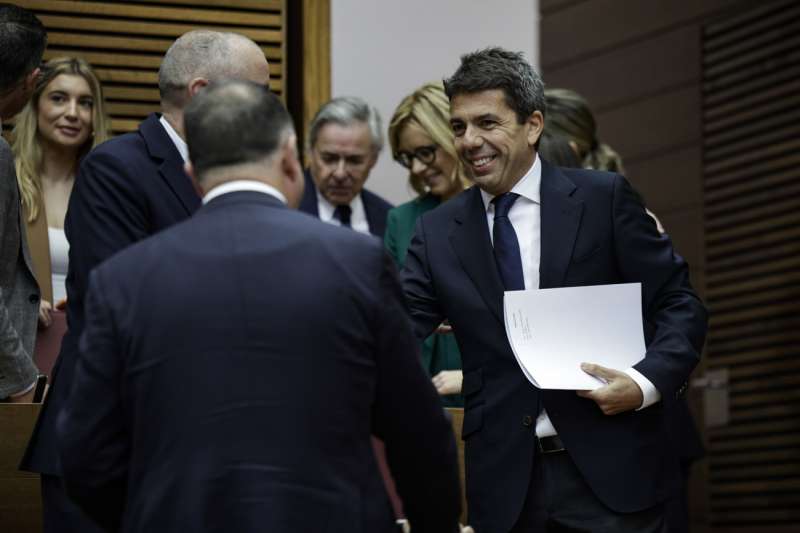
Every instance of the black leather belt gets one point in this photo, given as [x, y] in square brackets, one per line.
[551, 444]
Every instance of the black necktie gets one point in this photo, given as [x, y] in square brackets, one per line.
[342, 214]
[506, 246]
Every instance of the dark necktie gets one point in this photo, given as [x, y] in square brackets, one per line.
[506, 246]
[342, 214]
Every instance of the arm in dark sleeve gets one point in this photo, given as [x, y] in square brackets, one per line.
[107, 213]
[420, 293]
[672, 310]
[94, 442]
[407, 415]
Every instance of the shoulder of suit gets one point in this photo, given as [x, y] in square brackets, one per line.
[375, 200]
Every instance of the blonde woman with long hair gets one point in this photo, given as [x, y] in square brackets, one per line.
[64, 119]
[422, 141]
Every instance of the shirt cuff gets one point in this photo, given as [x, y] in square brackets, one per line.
[24, 391]
[650, 393]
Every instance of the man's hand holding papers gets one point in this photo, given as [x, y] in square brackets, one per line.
[620, 394]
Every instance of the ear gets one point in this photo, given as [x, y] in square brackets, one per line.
[196, 85]
[189, 169]
[32, 78]
[293, 179]
[535, 124]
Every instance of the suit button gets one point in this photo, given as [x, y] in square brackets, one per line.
[33, 298]
[527, 421]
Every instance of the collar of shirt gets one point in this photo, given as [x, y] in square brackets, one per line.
[528, 187]
[243, 185]
[179, 143]
[358, 215]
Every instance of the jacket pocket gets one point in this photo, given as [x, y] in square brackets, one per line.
[473, 421]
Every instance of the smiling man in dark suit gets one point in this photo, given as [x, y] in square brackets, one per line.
[548, 460]
[345, 139]
[215, 393]
[127, 189]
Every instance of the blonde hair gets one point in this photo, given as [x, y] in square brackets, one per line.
[429, 108]
[568, 115]
[25, 144]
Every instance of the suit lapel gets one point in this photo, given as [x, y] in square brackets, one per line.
[470, 240]
[161, 148]
[561, 216]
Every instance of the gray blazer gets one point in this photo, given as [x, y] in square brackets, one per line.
[19, 293]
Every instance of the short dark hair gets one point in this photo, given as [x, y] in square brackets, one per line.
[233, 122]
[22, 42]
[496, 68]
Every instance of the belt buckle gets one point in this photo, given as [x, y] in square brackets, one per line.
[551, 444]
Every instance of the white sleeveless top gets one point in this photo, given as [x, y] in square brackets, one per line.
[59, 260]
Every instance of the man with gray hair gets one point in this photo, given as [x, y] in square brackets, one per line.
[269, 430]
[344, 141]
[126, 190]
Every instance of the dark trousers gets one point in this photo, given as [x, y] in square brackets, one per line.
[559, 500]
[60, 515]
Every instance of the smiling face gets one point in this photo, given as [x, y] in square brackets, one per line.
[437, 175]
[65, 112]
[495, 148]
[341, 160]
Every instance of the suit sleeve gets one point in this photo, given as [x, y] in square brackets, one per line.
[17, 370]
[407, 415]
[91, 427]
[390, 237]
[675, 317]
[106, 214]
[418, 286]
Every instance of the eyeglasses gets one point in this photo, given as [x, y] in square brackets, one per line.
[424, 154]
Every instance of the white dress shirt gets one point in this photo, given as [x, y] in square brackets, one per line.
[243, 185]
[179, 143]
[525, 216]
[358, 215]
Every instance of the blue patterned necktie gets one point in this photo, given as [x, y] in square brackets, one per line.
[342, 214]
[506, 246]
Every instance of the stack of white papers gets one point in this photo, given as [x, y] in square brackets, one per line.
[553, 331]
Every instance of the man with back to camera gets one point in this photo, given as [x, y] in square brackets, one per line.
[127, 189]
[548, 460]
[22, 43]
[202, 403]
[345, 139]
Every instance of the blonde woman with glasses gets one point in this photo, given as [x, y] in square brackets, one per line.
[422, 141]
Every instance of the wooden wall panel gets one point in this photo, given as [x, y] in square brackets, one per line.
[752, 232]
[591, 27]
[634, 72]
[658, 179]
[125, 41]
[663, 123]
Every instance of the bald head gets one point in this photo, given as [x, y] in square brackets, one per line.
[203, 56]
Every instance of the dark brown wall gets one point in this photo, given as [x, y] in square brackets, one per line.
[638, 63]
[701, 100]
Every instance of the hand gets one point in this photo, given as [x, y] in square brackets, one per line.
[44, 314]
[466, 529]
[620, 394]
[448, 382]
[444, 327]
[61, 304]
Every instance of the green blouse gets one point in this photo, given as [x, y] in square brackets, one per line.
[439, 351]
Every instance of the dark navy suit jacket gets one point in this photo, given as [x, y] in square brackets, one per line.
[128, 188]
[376, 207]
[232, 370]
[594, 230]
